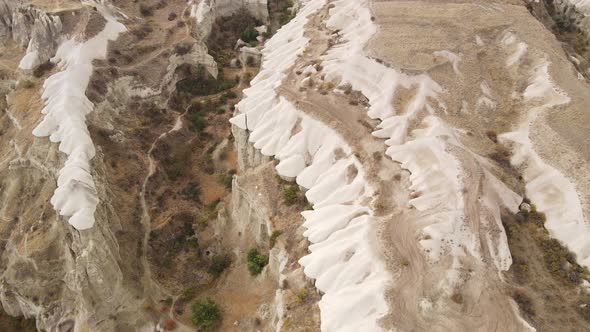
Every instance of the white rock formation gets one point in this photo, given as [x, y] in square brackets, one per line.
[66, 107]
[197, 56]
[436, 174]
[581, 5]
[343, 260]
[550, 190]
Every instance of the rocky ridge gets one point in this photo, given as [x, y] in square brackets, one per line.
[419, 170]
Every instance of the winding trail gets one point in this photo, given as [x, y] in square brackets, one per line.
[148, 282]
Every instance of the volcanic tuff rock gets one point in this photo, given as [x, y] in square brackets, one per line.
[32, 28]
[411, 165]
[100, 278]
[181, 66]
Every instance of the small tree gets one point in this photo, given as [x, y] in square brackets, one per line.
[205, 314]
[256, 261]
[218, 265]
[198, 122]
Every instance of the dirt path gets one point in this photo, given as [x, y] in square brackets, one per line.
[148, 282]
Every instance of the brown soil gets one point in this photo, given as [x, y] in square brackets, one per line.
[16, 324]
[548, 302]
[96, 23]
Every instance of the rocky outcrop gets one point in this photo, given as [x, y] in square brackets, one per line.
[257, 8]
[206, 11]
[31, 28]
[257, 213]
[184, 64]
[570, 22]
[250, 56]
[61, 277]
[248, 156]
[64, 278]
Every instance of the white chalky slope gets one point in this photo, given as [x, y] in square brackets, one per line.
[343, 259]
[66, 107]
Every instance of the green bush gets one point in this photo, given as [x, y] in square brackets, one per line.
[20, 324]
[209, 213]
[207, 164]
[558, 259]
[196, 107]
[301, 295]
[231, 94]
[188, 293]
[197, 121]
[192, 191]
[218, 265]
[192, 243]
[226, 30]
[561, 262]
[42, 69]
[183, 48]
[521, 271]
[538, 218]
[267, 34]
[286, 17]
[274, 236]
[249, 34]
[256, 261]
[201, 83]
[212, 207]
[184, 242]
[524, 303]
[206, 314]
[291, 194]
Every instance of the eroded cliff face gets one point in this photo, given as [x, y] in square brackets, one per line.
[63, 278]
[413, 187]
[449, 140]
[260, 215]
[99, 278]
[569, 21]
[31, 28]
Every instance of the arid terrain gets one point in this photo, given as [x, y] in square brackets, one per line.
[313, 165]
